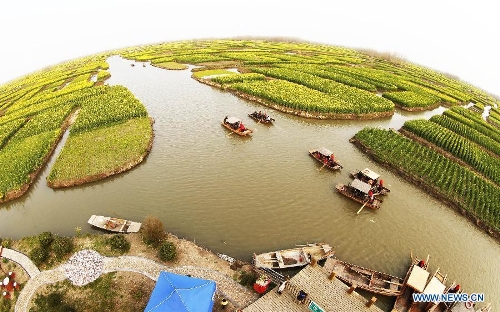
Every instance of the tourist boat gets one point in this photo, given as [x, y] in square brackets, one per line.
[416, 277]
[114, 224]
[419, 280]
[366, 279]
[261, 117]
[369, 176]
[359, 191]
[294, 257]
[233, 124]
[324, 156]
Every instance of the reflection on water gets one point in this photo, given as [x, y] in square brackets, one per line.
[239, 196]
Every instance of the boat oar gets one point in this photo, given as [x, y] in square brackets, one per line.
[366, 202]
[321, 167]
[229, 133]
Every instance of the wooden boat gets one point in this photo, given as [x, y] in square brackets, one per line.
[358, 191]
[233, 124]
[114, 224]
[261, 117]
[324, 156]
[367, 279]
[372, 178]
[294, 257]
[404, 301]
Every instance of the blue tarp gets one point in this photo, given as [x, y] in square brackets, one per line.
[181, 293]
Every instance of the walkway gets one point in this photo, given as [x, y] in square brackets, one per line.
[329, 295]
[20, 259]
[233, 291]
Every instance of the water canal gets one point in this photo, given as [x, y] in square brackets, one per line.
[243, 195]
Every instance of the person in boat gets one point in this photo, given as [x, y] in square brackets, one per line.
[225, 120]
[259, 115]
[325, 160]
[421, 263]
[371, 196]
[332, 160]
[380, 187]
[242, 127]
[454, 289]
[235, 125]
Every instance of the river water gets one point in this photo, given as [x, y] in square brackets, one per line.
[241, 196]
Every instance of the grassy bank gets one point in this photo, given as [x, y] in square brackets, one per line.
[119, 290]
[107, 151]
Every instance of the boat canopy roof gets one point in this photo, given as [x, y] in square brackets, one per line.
[370, 174]
[360, 185]
[324, 151]
[233, 120]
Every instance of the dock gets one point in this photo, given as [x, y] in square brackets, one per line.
[325, 293]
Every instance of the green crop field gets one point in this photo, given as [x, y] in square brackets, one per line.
[35, 109]
[454, 182]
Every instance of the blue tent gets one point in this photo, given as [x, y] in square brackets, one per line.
[181, 293]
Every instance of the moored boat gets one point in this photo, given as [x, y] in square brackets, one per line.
[325, 157]
[366, 279]
[293, 257]
[261, 117]
[114, 224]
[369, 176]
[415, 280]
[360, 192]
[236, 125]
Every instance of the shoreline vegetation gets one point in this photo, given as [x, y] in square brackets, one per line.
[127, 290]
[297, 78]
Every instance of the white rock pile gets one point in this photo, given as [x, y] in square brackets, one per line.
[84, 267]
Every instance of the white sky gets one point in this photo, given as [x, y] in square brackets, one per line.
[456, 37]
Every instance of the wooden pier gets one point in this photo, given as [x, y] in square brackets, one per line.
[325, 293]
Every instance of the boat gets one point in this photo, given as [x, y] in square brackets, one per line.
[369, 176]
[416, 278]
[294, 257]
[366, 279]
[114, 224]
[233, 124]
[261, 117]
[359, 191]
[325, 157]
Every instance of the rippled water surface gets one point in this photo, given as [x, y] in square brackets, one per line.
[243, 195]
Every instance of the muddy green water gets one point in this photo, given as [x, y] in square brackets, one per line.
[239, 195]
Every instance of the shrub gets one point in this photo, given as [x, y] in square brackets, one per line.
[39, 254]
[62, 246]
[53, 302]
[5, 305]
[167, 251]
[119, 243]
[45, 239]
[6, 242]
[247, 278]
[152, 231]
